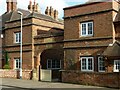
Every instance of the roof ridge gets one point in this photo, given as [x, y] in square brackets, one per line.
[11, 13]
[22, 9]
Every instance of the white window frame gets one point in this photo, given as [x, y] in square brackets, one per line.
[86, 23]
[87, 64]
[17, 37]
[2, 36]
[99, 64]
[116, 70]
[15, 60]
[52, 65]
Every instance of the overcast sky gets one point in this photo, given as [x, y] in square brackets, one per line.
[56, 4]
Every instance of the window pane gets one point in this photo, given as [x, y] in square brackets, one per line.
[89, 63]
[53, 63]
[87, 28]
[84, 63]
[17, 64]
[101, 63]
[83, 29]
[117, 65]
[57, 64]
[49, 63]
[17, 37]
[90, 28]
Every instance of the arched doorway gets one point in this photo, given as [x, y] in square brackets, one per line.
[51, 61]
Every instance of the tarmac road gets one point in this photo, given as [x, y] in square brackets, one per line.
[17, 84]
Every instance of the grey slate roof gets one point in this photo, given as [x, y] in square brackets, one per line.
[11, 16]
[117, 18]
[38, 15]
[113, 51]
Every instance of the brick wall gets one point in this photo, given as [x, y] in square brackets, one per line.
[89, 8]
[26, 74]
[89, 78]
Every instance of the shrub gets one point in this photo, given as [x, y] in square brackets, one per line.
[6, 66]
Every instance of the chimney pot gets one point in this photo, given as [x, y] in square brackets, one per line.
[14, 5]
[37, 8]
[51, 12]
[30, 5]
[47, 11]
[34, 7]
[11, 5]
[55, 14]
[8, 5]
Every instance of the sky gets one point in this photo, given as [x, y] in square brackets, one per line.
[56, 4]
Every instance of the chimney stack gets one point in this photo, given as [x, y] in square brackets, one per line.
[34, 7]
[55, 14]
[37, 8]
[11, 5]
[51, 12]
[30, 6]
[8, 5]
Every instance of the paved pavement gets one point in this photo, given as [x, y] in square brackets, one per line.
[17, 84]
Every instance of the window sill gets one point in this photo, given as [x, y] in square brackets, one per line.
[17, 43]
[53, 68]
[101, 71]
[83, 36]
[87, 71]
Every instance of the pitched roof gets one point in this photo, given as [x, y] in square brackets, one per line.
[117, 18]
[97, 1]
[38, 15]
[113, 50]
[11, 16]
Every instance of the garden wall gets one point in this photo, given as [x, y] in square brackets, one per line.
[92, 78]
[26, 74]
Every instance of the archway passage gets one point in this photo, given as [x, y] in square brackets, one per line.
[52, 61]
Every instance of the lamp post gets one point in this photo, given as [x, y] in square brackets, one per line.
[21, 15]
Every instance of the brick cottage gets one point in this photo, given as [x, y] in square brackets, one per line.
[84, 49]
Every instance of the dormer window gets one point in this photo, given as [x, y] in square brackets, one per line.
[87, 29]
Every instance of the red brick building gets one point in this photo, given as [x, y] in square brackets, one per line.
[42, 38]
[91, 39]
